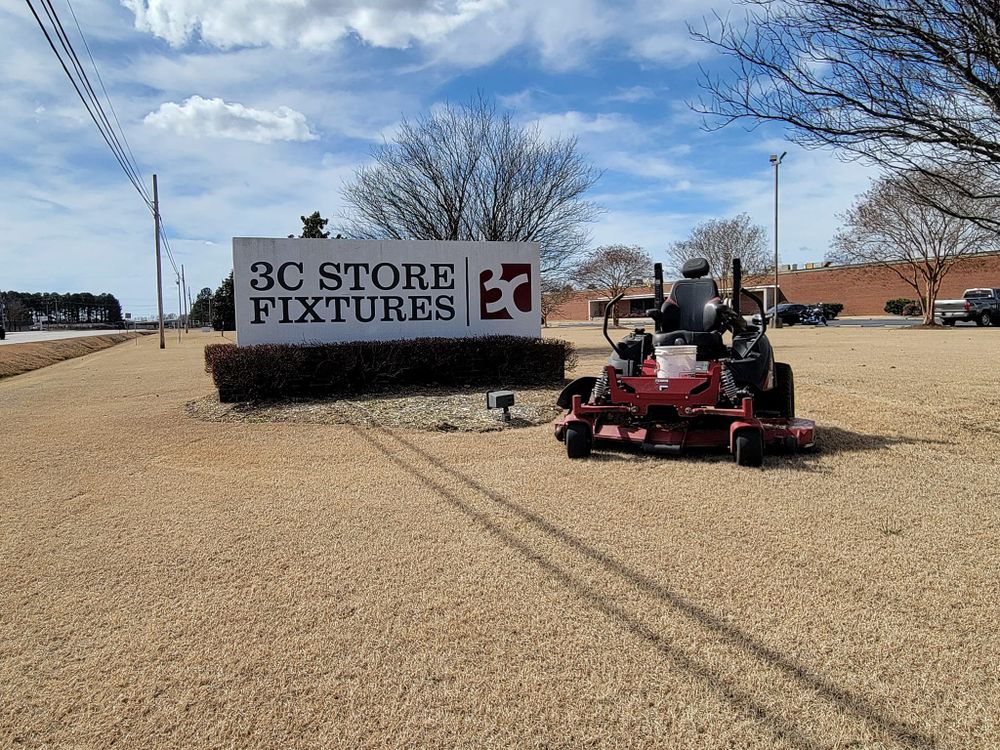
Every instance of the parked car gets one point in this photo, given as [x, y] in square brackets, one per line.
[979, 305]
[790, 313]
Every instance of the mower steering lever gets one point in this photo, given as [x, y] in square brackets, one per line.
[607, 313]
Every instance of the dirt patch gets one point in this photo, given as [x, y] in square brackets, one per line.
[436, 410]
[17, 359]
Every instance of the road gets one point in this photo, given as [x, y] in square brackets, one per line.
[27, 337]
[891, 322]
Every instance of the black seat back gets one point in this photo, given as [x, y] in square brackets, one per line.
[691, 296]
[686, 316]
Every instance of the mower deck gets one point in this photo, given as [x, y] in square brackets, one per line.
[780, 435]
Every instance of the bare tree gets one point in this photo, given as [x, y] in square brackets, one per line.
[613, 269]
[904, 83]
[471, 173]
[719, 241]
[555, 295]
[899, 228]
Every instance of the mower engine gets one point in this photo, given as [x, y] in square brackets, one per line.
[629, 354]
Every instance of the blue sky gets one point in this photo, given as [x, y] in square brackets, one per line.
[253, 112]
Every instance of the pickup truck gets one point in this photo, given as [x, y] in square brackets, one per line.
[979, 305]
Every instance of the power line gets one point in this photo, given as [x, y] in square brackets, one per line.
[108, 136]
[166, 247]
[67, 46]
[120, 148]
[107, 98]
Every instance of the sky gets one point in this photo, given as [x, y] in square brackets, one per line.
[254, 112]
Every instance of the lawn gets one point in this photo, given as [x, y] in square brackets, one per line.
[16, 359]
[171, 582]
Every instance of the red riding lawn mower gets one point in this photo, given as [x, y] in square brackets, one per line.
[682, 387]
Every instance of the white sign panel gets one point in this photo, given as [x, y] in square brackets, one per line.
[294, 291]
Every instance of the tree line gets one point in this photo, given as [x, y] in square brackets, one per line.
[23, 309]
[216, 309]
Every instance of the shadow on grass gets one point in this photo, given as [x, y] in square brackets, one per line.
[723, 684]
[830, 441]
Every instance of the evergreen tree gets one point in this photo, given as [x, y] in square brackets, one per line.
[313, 226]
[201, 307]
[224, 306]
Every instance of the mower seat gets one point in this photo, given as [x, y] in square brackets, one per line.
[689, 315]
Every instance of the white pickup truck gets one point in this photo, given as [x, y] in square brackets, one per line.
[979, 305]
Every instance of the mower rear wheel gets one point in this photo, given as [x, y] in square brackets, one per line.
[577, 440]
[748, 447]
[780, 400]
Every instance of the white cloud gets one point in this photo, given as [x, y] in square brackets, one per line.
[632, 94]
[311, 24]
[568, 124]
[464, 33]
[198, 117]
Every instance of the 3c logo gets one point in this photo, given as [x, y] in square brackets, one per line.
[504, 292]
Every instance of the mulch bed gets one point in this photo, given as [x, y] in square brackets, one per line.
[440, 410]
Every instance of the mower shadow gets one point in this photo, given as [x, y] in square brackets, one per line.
[830, 441]
[782, 728]
[836, 440]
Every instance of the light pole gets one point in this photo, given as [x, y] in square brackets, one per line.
[776, 161]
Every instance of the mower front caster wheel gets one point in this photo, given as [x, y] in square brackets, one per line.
[748, 447]
[577, 440]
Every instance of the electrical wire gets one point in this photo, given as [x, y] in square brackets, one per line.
[107, 98]
[67, 46]
[108, 139]
[120, 148]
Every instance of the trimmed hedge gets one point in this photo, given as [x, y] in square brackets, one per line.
[897, 305]
[249, 373]
[833, 308]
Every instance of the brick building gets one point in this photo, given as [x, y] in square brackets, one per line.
[863, 290]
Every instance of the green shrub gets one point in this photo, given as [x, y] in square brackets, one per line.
[895, 306]
[833, 308]
[248, 373]
[913, 308]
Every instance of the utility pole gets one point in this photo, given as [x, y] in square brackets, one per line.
[179, 306]
[184, 296]
[776, 161]
[159, 273]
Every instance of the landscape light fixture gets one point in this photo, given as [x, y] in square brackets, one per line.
[776, 161]
[500, 400]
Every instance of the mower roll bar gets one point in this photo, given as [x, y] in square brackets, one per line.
[739, 291]
[607, 314]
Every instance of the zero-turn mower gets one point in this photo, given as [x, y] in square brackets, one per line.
[683, 388]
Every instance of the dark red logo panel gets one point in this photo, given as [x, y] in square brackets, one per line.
[504, 293]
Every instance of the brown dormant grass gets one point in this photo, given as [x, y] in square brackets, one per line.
[16, 359]
[174, 583]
